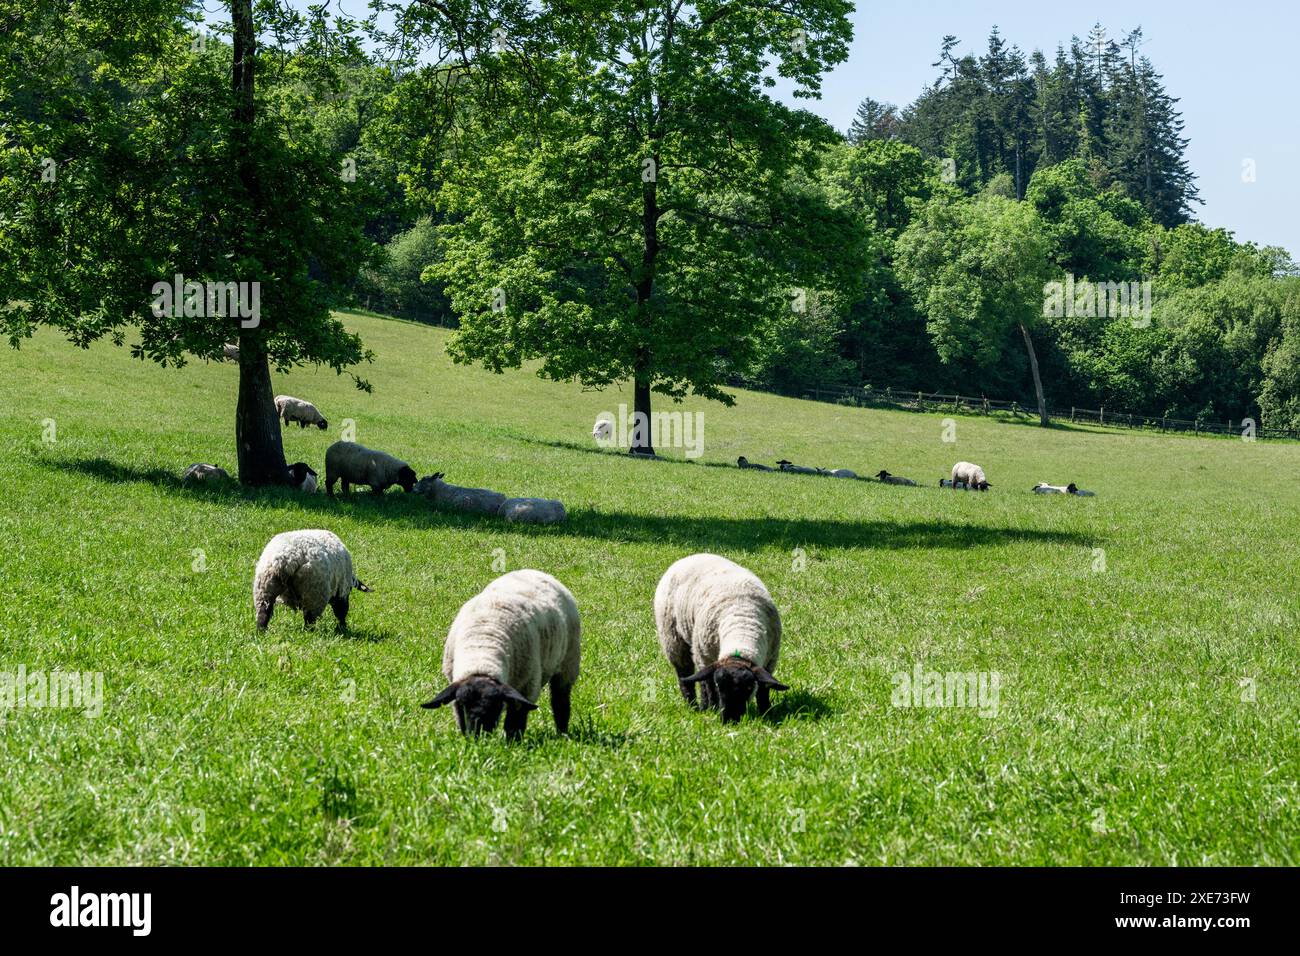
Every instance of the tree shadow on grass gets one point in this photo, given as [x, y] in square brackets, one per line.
[687, 532]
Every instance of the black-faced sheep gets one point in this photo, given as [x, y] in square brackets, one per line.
[302, 477]
[744, 462]
[202, 472]
[972, 476]
[789, 466]
[355, 464]
[296, 410]
[518, 633]
[889, 479]
[719, 628]
[459, 498]
[306, 570]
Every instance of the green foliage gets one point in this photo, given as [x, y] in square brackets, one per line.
[397, 285]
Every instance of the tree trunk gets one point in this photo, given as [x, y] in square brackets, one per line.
[258, 443]
[1038, 381]
[257, 425]
[642, 439]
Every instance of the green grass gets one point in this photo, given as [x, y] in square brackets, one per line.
[1123, 735]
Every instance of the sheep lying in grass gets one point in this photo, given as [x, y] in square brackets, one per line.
[305, 570]
[841, 473]
[1043, 488]
[230, 352]
[355, 464]
[296, 410]
[972, 476]
[475, 500]
[518, 633]
[789, 466]
[202, 472]
[302, 477]
[889, 479]
[743, 462]
[602, 430]
[533, 510]
[719, 628]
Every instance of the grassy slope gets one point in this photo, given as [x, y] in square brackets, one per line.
[1122, 735]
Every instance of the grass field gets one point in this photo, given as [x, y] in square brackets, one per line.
[1145, 639]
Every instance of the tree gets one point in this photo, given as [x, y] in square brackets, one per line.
[976, 269]
[619, 187]
[165, 158]
[874, 120]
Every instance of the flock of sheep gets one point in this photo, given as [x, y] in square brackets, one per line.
[966, 476]
[718, 627]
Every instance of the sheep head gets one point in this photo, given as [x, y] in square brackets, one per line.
[479, 701]
[406, 477]
[322, 424]
[735, 679]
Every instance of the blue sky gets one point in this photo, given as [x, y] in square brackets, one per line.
[1233, 67]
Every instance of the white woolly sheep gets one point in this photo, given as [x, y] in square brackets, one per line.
[305, 570]
[203, 472]
[719, 628]
[518, 633]
[1043, 488]
[302, 477]
[972, 476]
[230, 352]
[355, 464]
[475, 500]
[842, 473]
[602, 430]
[889, 479]
[297, 410]
[533, 510]
[743, 462]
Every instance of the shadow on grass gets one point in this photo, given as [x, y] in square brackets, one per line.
[715, 532]
[797, 705]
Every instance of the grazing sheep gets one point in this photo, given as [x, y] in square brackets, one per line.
[602, 430]
[785, 465]
[972, 476]
[302, 477]
[304, 570]
[533, 510]
[744, 462]
[203, 472]
[719, 628]
[296, 410]
[518, 633]
[476, 500]
[355, 464]
[889, 479]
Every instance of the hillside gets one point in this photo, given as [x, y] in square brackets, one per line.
[1144, 638]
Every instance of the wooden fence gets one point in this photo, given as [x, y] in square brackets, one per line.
[938, 402]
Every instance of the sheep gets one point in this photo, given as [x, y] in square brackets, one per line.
[355, 464]
[785, 465]
[296, 410]
[302, 477]
[719, 628]
[203, 472]
[304, 570]
[533, 510]
[602, 430]
[518, 633]
[1043, 488]
[889, 479]
[841, 473]
[743, 462]
[230, 352]
[972, 476]
[477, 500]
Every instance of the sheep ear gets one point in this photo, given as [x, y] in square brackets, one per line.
[767, 680]
[700, 675]
[446, 697]
[518, 698]
[364, 588]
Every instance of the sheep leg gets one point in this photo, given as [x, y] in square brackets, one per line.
[764, 698]
[309, 617]
[561, 701]
[340, 608]
[460, 716]
[688, 690]
[377, 489]
[709, 699]
[264, 611]
[516, 720]
[346, 487]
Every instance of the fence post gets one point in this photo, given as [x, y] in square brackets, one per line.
[1102, 415]
[986, 404]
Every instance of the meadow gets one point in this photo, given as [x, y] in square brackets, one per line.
[1144, 639]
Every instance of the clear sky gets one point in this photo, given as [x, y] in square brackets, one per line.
[1233, 66]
